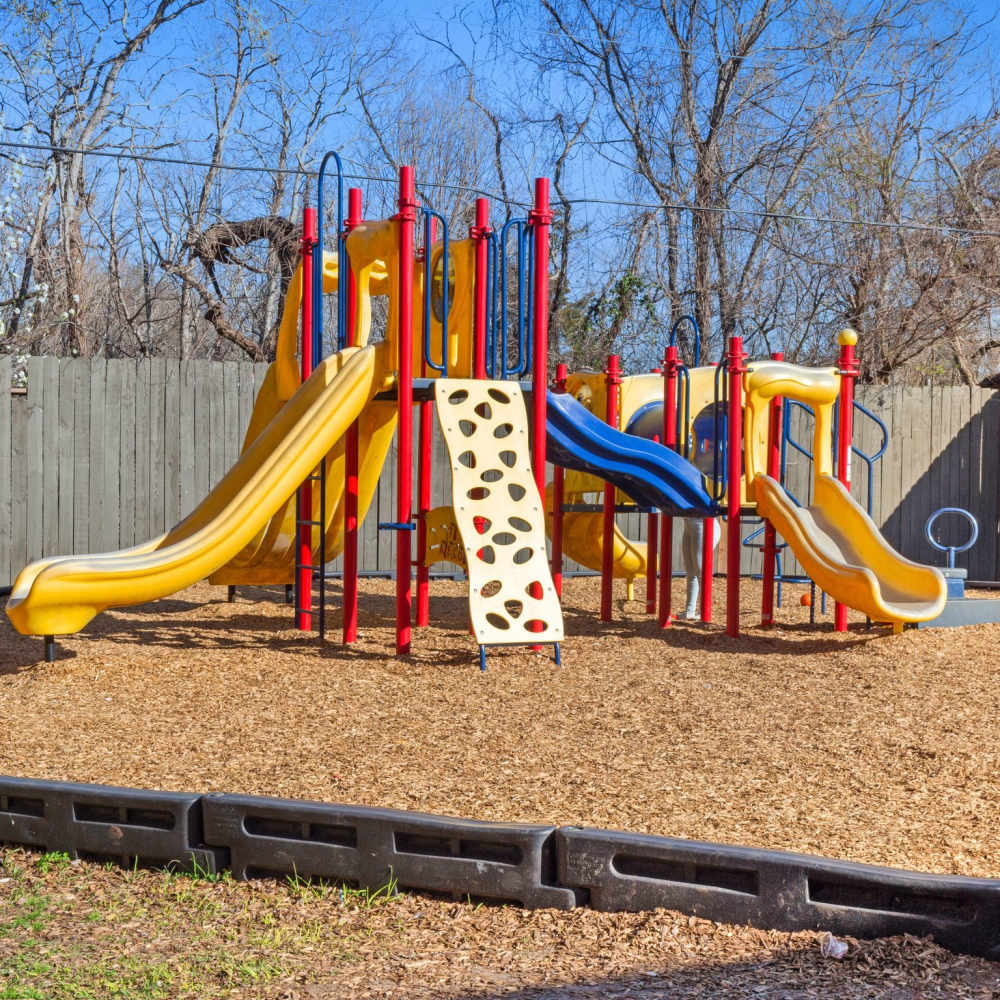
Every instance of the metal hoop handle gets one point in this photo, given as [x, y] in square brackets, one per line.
[951, 549]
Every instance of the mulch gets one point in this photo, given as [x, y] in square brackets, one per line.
[861, 746]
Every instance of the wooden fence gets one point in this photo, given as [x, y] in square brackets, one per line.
[98, 455]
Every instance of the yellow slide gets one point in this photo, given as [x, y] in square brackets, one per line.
[58, 596]
[837, 543]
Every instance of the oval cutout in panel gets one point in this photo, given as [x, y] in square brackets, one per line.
[513, 608]
[458, 396]
[503, 538]
[497, 621]
[500, 397]
[477, 493]
[482, 524]
[533, 589]
[487, 555]
[537, 626]
[491, 588]
[492, 475]
[508, 458]
[521, 556]
[503, 430]
[483, 410]
[516, 491]
[519, 524]
[468, 459]
[467, 427]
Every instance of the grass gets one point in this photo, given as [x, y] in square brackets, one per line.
[76, 931]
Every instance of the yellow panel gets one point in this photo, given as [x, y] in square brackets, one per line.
[498, 510]
[64, 595]
[444, 540]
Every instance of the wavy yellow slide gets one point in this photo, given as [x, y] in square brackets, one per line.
[837, 543]
[841, 548]
[58, 596]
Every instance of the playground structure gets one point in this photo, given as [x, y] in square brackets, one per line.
[322, 428]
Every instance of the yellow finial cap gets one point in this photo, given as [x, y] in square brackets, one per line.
[847, 338]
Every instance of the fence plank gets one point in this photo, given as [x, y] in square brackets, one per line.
[95, 448]
[172, 443]
[35, 459]
[189, 499]
[7, 572]
[115, 380]
[48, 501]
[143, 527]
[157, 451]
[232, 431]
[19, 483]
[81, 454]
[126, 459]
[215, 441]
[202, 432]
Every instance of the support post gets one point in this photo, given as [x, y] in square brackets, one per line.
[652, 548]
[671, 366]
[406, 217]
[303, 573]
[558, 497]
[614, 380]
[540, 220]
[425, 463]
[354, 218]
[845, 434]
[734, 479]
[774, 471]
[480, 233]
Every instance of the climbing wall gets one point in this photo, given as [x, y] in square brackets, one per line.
[498, 511]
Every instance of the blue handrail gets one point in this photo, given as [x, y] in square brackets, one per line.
[519, 225]
[687, 318]
[317, 261]
[430, 214]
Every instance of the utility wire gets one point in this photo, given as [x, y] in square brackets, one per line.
[759, 213]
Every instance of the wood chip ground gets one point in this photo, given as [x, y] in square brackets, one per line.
[860, 746]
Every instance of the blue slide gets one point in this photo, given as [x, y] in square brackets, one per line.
[653, 476]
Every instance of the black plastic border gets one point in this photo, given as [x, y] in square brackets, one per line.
[534, 865]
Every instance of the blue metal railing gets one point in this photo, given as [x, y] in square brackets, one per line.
[429, 216]
[317, 261]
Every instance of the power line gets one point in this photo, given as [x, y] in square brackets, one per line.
[758, 213]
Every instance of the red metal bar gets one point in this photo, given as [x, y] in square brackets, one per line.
[480, 232]
[614, 380]
[671, 367]
[845, 433]
[351, 449]
[774, 471]
[652, 549]
[303, 575]
[406, 217]
[558, 494]
[734, 477]
[425, 465]
[540, 220]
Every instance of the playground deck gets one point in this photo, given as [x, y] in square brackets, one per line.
[851, 746]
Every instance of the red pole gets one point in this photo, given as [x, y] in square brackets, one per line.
[480, 233]
[614, 380]
[425, 460]
[303, 575]
[774, 471]
[734, 476]
[671, 366]
[845, 433]
[652, 548]
[558, 492]
[540, 219]
[351, 449]
[406, 217]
